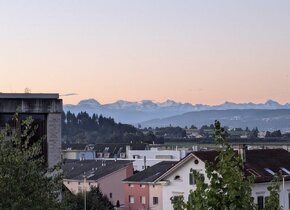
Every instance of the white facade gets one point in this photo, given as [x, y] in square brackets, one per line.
[260, 189]
[177, 183]
[145, 158]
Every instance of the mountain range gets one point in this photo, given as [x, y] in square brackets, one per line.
[150, 113]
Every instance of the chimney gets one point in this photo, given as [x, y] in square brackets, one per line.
[242, 152]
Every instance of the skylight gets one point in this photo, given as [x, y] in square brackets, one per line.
[286, 171]
[269, 171]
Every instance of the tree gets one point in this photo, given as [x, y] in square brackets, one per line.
[228, 188]
[95, 200]
[272, 201]
[25, 180]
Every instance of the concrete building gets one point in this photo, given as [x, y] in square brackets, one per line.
[45, 109]
[80, 176]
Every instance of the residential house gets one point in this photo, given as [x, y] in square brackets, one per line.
[80, 176]
[141, 190]
[176, 180]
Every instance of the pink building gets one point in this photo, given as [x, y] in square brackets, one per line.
[107, 175]
[141, 193]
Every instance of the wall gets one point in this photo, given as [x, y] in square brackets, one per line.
[137, 191]
[53, 138]
[182, 186]
[153, 156]
[112, 183]
[260, 189]
[155, 191]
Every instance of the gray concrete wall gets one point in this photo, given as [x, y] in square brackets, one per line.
[53, 138]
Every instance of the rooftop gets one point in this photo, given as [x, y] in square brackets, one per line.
[29, 95]
[152, 173]
[262, 163]
[93, 169]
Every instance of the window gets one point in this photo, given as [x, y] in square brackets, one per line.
[67, 182]
[111, 195]
[130, 185]
[131, 199]
[155, 200]
[142, 185]
[260, 202]
[177, 177]
[142, 199]
[191, 179]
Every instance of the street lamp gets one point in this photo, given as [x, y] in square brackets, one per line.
[84, 192]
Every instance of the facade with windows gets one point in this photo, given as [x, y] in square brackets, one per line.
[45, 110]
[176, 180]
[80, 176]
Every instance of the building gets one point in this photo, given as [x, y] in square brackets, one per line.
[78, 151]
[81, 175]
[176, 180]
[146, 158]
[141, 190]
[45, 109]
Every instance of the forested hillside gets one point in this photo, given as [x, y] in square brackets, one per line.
[82, 128]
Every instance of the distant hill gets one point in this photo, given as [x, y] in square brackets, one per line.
[135, 112]
[264, 119]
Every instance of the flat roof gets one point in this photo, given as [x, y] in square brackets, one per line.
[29, 95]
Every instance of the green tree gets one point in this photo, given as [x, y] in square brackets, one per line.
[95, 200]
[228, 188]
[272, 201]
[25, 181]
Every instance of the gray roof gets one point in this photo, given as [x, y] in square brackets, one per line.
[29, 95]
[152, 173]
[93, 169]
[257, 161]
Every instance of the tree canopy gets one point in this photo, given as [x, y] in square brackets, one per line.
[25, 180]
[228, 188]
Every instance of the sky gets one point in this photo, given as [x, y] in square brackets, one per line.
[197, 51]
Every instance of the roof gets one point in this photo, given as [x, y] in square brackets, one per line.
[258, 162]
[152, 173]
[93, 169]
[116, 149]
[29, 95]
[82, 147]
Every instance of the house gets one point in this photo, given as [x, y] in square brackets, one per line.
[141, 154]
[141, 190]
[80, 176]
[176, 180]
[146, 158]
[78, 151]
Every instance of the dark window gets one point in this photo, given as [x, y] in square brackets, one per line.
[191, 179]
[111, 195]
[155, 200]
[177, 177]
[260, 202]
